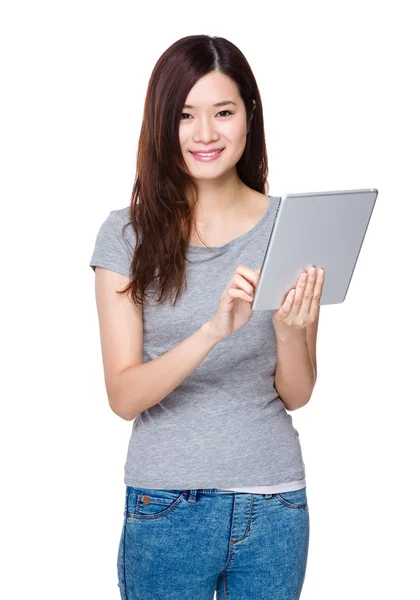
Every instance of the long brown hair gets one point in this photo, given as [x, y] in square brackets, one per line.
[160, 212]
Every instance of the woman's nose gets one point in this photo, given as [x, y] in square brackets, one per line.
[203, 130]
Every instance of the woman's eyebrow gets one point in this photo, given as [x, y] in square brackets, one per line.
[222, 103]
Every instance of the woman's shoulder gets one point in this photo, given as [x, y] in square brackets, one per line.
[122, 214]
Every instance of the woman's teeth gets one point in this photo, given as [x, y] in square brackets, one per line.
[203, 154]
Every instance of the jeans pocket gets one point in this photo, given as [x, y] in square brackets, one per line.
[293, 499]
[145, 503]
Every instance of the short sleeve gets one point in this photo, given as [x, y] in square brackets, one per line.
[112, 249]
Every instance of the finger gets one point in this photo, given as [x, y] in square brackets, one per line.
[300, 288]
[285, 308]
[248, 274]
[316, 300]
[308, 293]
[242, 283]
[288, 303]
[234, 293]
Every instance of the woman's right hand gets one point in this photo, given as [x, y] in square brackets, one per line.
[234, 309]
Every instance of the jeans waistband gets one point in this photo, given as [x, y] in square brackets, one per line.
[192, 494]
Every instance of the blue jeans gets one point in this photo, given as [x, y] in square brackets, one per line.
[189, 544]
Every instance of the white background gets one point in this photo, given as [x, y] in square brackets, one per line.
[339, 86]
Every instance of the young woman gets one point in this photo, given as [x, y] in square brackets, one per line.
[215, 491]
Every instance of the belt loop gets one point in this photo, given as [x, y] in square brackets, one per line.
[192, 495]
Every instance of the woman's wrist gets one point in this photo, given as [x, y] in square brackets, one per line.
[286, 334]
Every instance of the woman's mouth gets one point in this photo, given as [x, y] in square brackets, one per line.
[207, 156]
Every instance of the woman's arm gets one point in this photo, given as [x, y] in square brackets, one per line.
[295, 375]
[141, 386]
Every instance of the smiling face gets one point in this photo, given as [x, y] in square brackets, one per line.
[204, 127]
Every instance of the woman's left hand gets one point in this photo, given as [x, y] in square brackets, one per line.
[301, 306]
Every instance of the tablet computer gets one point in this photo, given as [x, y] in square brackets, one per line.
[324, 229]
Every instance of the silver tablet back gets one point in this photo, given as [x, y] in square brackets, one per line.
[325, 229]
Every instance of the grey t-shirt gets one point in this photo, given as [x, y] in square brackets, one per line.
[225, 424]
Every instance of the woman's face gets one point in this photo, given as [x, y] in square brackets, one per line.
[203, 126]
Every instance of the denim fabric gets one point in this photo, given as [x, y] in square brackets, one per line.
[193, 544]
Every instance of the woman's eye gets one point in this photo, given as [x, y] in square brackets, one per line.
[222, 111]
